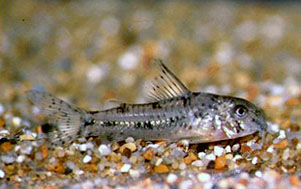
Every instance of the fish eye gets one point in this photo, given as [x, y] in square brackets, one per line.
[241, 111]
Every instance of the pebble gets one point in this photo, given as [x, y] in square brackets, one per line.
[20, 158]
[26, 137]
[203, 177]
[258, 173]
[190, 158]
[270, 149]
[87, 159]
[237, 157]
[128, 61]
[235, 147]
[125, 168]
[228, 149]
[104, 150]
[282, 134]
[82, 147]
[219, 151]
[2, 109]
[161, 169]
[210, 157]
[96, 73]
[134, 173]
[129, 140]
[182, 166]
[6, 146]
[201, 155]
[16, 121]
[7, 159]
[282, 144]
[220, 162]
[2, 174]
[198, 163]
[186, 184]
[254, 160]
[171, 178]
[286, 154]
[131, 146]
[149, 154]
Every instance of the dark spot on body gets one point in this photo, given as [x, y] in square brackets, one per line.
[89, 122]
[67, 171]
[47, 128]
[148, 125]
[156, 105]
[110, 137]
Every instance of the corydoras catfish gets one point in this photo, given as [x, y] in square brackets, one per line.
[173, 113]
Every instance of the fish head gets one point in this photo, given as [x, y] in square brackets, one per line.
[240, 117]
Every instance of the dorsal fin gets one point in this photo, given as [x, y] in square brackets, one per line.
[164, 85]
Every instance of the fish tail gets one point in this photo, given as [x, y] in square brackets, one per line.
[67, 119]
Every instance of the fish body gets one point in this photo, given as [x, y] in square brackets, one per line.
[173, 113]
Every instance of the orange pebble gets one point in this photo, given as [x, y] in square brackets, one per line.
[294, 180]
[6, 146]
[220, 162]
[190, 158]
[2, 123]
[161, 168]
[282, 144]
[245, 148]
[149, 154]
[59, 168]
[44, 149]
[292, 102]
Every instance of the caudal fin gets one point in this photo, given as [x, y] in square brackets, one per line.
[67, 118]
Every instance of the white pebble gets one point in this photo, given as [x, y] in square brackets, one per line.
[186, 184]
[16, 121]
[228, 149]
[87, 159]
[272, 127]
[235, 147]
[197, 163]
[7, 159]
[20, 158]
[128, 61]
[82, 147]
[219, 151]
[125, 168]
[282, 134]
[210, 157]
[171, 178]
[129, 140]
[270, 149]
[134, 173]
[2, 174]
[159, 161]
[182, 166]
[201, 155]
[4, 132]
[258, 173]
[95, 73]
[286, 154]
[104, 150]
[204, 177]
[254, 160]
[237, 157]
[2, 109]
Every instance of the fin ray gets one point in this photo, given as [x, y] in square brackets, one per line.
[165, 85]
[67, 118]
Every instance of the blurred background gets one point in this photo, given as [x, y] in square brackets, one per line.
[91, 51]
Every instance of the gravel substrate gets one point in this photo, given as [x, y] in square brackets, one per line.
[88, 52]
